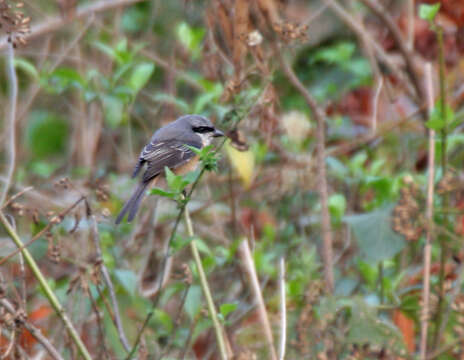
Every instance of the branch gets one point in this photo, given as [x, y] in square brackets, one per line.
[46, 288]
[249, 267]
[283, 309]
[322, 181]
[53, 23]
[206, 291]
[13, 97]
[383, 15]
[429, 217]
[35, 332]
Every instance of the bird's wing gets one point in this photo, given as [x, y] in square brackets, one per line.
[170, 153]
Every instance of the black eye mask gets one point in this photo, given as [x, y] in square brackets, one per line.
[202, 129]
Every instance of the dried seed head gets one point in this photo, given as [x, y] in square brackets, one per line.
[14, 22]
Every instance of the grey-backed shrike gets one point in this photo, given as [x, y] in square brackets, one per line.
[167, 147]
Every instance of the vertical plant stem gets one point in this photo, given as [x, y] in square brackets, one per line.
[283, 309]
[444, 168]
[206, 290]
[429, 216]
[11, 119]
[48, 292]
[249, 266]
[382, 290]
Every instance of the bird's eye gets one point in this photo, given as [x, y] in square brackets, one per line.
[202, 129]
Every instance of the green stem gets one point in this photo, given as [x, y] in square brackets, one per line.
[444, 167]
[382, 290]
[205, 287]
[46, 288]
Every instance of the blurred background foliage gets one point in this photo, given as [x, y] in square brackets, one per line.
[93, 89]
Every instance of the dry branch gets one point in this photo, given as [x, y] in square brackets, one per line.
[13, 98]
[322, 180]
[54, 23]
[429, 216]
[35, 332]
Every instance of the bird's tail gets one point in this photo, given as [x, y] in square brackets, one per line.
[133, 203]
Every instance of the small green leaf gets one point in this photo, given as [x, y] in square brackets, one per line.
[193, 302]
[161, 192]
[127, 279]
[436, 121]
[428, 12]
[435, 124]
[337, 205]
[367, 327]
[113, 109]
[376, 239]
[27, 67]
[202, 247]
[140, 76]
[190, 37]
[226, 309]
[174, 181]
[179, 242]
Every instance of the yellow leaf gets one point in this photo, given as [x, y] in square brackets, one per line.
[243, 163]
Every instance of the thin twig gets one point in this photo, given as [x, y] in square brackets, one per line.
[375, 111]
[35, 332]
[46, 288]
[283, 309]
[37, 236]
[249, 267]
[359, 30]
[429, 217]
[380, 11]
[108, 283]
[15, 196]
[11, 121]
[322, 181]
[411, 20]
[53, 23]
[206, 291]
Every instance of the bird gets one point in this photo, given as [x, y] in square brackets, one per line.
[169, 147]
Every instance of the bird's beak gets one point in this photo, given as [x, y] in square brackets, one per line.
[218, 133]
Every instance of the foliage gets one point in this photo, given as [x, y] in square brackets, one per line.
[92, 93]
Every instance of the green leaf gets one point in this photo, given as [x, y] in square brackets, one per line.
[179, 242]
[335, 54]
[337, 205]
[113, 109]
[193, 303]
[161, 192]
[190, 37]
[367, 327]
[436, 121]
[46, 134]
[226, 309]
[108, 50]
[140, 76]
[376, 239]
[27, 67]
[428, 12]
[63, 78]
[127, 279]
[174, 181]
